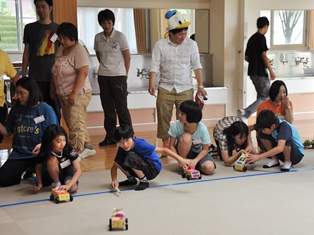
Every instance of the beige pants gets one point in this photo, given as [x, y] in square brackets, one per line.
[75, 117]
[165, 102]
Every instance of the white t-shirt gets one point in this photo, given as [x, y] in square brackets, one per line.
[110, 51]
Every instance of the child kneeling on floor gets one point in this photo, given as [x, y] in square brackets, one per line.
[60, 159]
[280, 139]
[136, 158]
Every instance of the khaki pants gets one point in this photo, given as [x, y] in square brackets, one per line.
[165, 102]
[75, 117]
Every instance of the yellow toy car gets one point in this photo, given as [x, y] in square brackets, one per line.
[240, 164]
[191, 173]
[118, 220]
[60, 195]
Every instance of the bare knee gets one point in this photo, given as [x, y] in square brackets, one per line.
[208, 168]
[185, 138]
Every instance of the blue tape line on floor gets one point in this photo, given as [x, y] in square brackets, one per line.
[164, 185]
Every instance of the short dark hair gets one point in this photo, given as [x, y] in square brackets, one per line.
[29, 84]
[123, 132]
[175, 31]
[238, 127]
[266, 118]
[69, 30]
[192, 111]
[261, 22]
[49, 2]
[274, 89]
[106, 15]
[50, 133]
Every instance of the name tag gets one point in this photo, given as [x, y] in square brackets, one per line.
[39, 119]
[54, 37]
[64, 64]
[65, 164]
[197, 142]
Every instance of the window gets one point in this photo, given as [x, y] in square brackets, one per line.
[14, 15]
[88, 25]
[287, 29]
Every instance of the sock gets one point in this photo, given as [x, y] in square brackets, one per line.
[57, 185]
[130, 181]
[88, 146]
[287, 165]
[272, 162]
[143, 184]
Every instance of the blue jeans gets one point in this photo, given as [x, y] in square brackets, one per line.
[262, 85]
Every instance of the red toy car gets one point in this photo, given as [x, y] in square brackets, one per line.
[191, 173]
[199, 98]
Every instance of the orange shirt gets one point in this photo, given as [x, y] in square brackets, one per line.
[280, 110]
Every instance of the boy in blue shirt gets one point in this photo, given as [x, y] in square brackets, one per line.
[136, 158]
[281, 141]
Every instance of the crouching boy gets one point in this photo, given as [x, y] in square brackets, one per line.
[280, 139]
[136, 158]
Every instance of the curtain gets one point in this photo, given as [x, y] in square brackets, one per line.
[140, 29]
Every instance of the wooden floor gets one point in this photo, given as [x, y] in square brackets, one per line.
[103, 160]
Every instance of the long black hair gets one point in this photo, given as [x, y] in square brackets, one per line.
[236, 128]
[50, 133]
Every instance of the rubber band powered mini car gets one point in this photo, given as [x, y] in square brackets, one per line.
[191, 173]
[240, 164]
[200, 99]
[118, 220]
[60, 195]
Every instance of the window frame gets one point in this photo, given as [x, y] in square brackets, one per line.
[302, 46]
[19, 20]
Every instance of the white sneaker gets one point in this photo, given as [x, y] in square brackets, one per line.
[241, 114]
[87, 153]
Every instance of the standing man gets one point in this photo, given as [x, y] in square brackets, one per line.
[40, 47]
[173, 58]
[113, 54]
[6, 68]
[255, 55]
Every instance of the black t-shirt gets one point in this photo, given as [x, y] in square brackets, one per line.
[68, 153]
[255, 47]
[42, 50]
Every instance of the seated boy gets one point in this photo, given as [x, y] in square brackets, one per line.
[280, 139]
[136, 158]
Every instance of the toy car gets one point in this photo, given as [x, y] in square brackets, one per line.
[191, 173]
[118, 220]
[199, 98]
[60, 195]
[240, 164]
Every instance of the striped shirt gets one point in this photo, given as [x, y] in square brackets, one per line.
[220, 127]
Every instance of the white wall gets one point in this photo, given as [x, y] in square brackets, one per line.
[252, 12]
